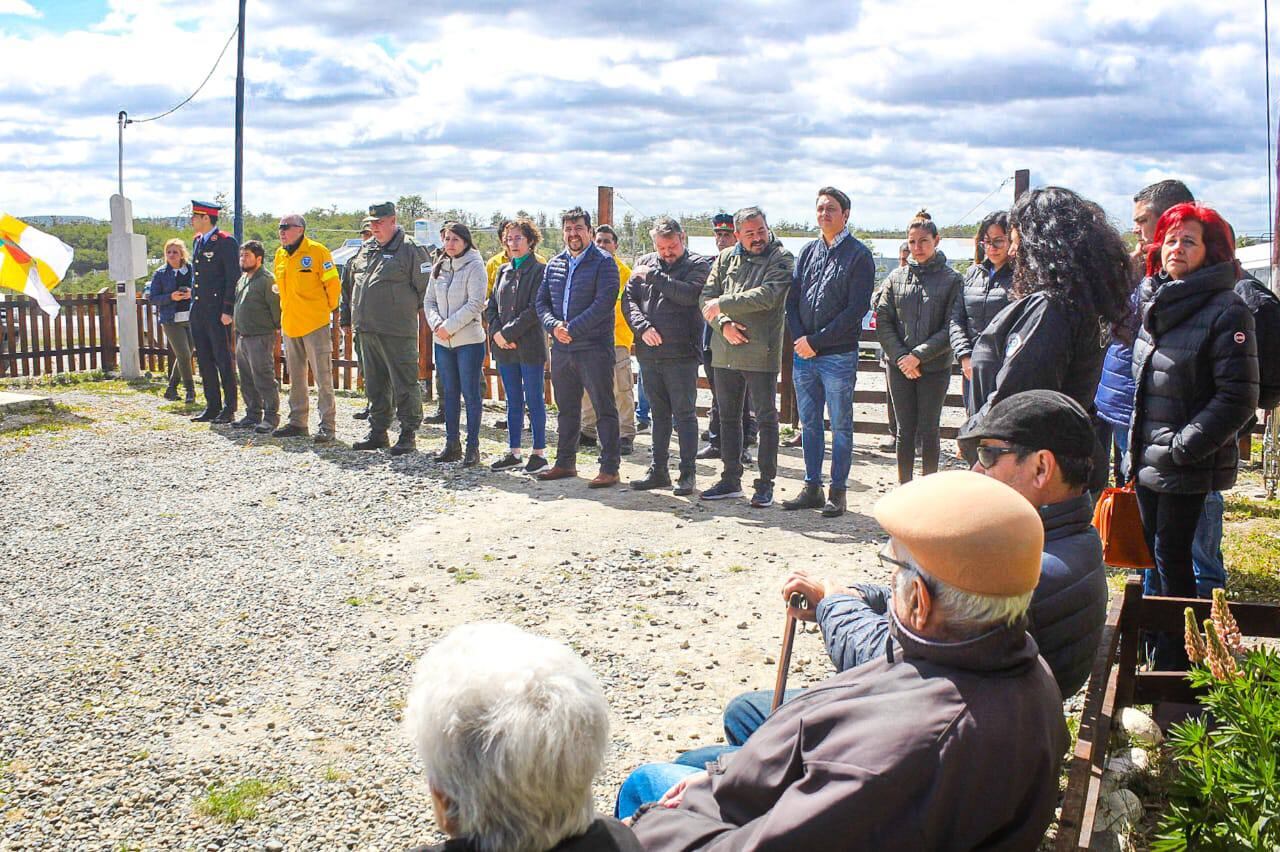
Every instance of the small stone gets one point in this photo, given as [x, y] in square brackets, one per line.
[274, 845]
[1129, 762]
[1140, 727]
[742, 625]
[1118, 810]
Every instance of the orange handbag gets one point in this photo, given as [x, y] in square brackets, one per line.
[1119, 525]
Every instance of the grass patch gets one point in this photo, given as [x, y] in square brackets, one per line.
[238, 802]
[355, 601]
[28, 424]
[465, 575]
[1251, 550]
[737, 569]
[333, 773]
[182, 407]
[1242, 508]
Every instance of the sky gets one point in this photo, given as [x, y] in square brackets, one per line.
[683, 108]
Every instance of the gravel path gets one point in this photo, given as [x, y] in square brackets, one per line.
[187, 606]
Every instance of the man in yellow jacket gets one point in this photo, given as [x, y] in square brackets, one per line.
[309, 289]
[624, 395]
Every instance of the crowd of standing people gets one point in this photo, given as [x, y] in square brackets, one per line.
[1071, 349]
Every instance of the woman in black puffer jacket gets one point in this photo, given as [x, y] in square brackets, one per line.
[1196, 368]
[985, 292]
[913, 317]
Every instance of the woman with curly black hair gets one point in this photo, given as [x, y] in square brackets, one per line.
[1071, 282]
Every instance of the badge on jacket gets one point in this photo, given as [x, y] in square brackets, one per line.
[1013, 344]
[306, 262]
[1239, 337]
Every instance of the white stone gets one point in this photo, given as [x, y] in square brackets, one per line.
[1118, 810]
[1140, 727]
[1128, 762]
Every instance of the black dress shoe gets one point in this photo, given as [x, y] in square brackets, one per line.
[361, 415]
[586, 440]
[227, 415]
[245, 422]
[438, 417]
[205, 416]
[171, 394]
[290, 431]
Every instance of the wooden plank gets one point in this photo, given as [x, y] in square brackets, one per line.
[60, 356]
[1085, 773]
[1166, 614]
[46, 334]
[95, 354]
[1130, 636]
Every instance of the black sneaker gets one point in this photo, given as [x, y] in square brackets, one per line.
[535, 464]
[507, 462]
[685, 485]
[722, 491]
[586, 440]
[810, 497]
[763, 496]
[626, 446]
[500, 425]
[654, 478]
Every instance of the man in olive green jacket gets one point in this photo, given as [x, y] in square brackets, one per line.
[388, 279]
[744, 302]
[257, 320]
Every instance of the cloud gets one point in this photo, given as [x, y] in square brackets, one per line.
[682, 108]
[18, 8]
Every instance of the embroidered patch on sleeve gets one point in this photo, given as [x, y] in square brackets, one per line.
[1239, 337]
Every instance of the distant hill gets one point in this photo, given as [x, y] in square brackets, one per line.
[48, 221]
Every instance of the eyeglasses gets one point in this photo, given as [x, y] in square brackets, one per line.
[998, 243]
[284, 227]
[989, 456]
[887, 560]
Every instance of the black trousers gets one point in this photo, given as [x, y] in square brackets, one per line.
[672, 387]
[213, 357]
[1169, 526]
[732, 388]
[918, 406]
[574, 372]
[749, 427]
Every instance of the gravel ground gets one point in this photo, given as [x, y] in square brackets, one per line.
[186, 606]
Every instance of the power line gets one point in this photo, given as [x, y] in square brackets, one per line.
[198, 88]
[629, 204]
[1002, 185]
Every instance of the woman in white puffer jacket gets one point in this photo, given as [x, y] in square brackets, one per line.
[454, 304]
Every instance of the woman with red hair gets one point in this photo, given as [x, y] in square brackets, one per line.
[1196, 367]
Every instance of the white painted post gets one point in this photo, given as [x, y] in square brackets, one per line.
[126, 263]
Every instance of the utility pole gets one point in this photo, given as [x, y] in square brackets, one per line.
[239, 201]
[1021, 183]
[604, 205]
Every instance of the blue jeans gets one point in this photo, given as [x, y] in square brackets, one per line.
[647, 784]
[1206, 549]
[826, 380]
[642, 401]
[459, 369]
[745, 713]
[522, 384]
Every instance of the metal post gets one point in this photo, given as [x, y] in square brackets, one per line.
[1021, 183]
[123, 119]
[239, 225]
[604, 205]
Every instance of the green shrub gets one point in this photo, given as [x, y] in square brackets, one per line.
[1226, 790]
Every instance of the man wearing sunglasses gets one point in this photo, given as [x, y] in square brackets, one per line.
[952, 738]
[1040, 443]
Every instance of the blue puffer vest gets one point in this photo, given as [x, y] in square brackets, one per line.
[1114, 399]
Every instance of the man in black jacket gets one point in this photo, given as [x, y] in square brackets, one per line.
[660, 303]
[830, 294]
[1040, 443]
[215, 266]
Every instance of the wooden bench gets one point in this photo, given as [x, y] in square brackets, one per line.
[1116, 683]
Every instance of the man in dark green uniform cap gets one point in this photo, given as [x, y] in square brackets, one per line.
[388, 278]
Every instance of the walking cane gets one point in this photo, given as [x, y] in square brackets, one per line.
[797, 601]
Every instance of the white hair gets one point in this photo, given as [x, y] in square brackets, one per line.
[962, 614]
[511, 729]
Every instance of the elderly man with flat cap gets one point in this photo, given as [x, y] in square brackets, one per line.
[388, 278]
[1040, 443]
[215, 269]
[951, 738]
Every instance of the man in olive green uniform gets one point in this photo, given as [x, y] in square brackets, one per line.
[388, 278]
[257, 319]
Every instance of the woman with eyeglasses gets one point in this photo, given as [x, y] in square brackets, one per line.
[454, 302]
[1195, 366]
[1070, 290]
[518, 342]
[984, 294]
[913, 317]
[170, 292]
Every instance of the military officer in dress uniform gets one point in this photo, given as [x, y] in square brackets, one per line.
[388, 278]
[215, 265]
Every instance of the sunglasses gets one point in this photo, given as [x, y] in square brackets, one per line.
[989, 456]
[287, 227]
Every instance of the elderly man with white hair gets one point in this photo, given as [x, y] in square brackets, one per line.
[952, 739]
[511, 729]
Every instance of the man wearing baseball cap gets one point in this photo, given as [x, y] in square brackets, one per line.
[1040, 443]
[950, 738]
